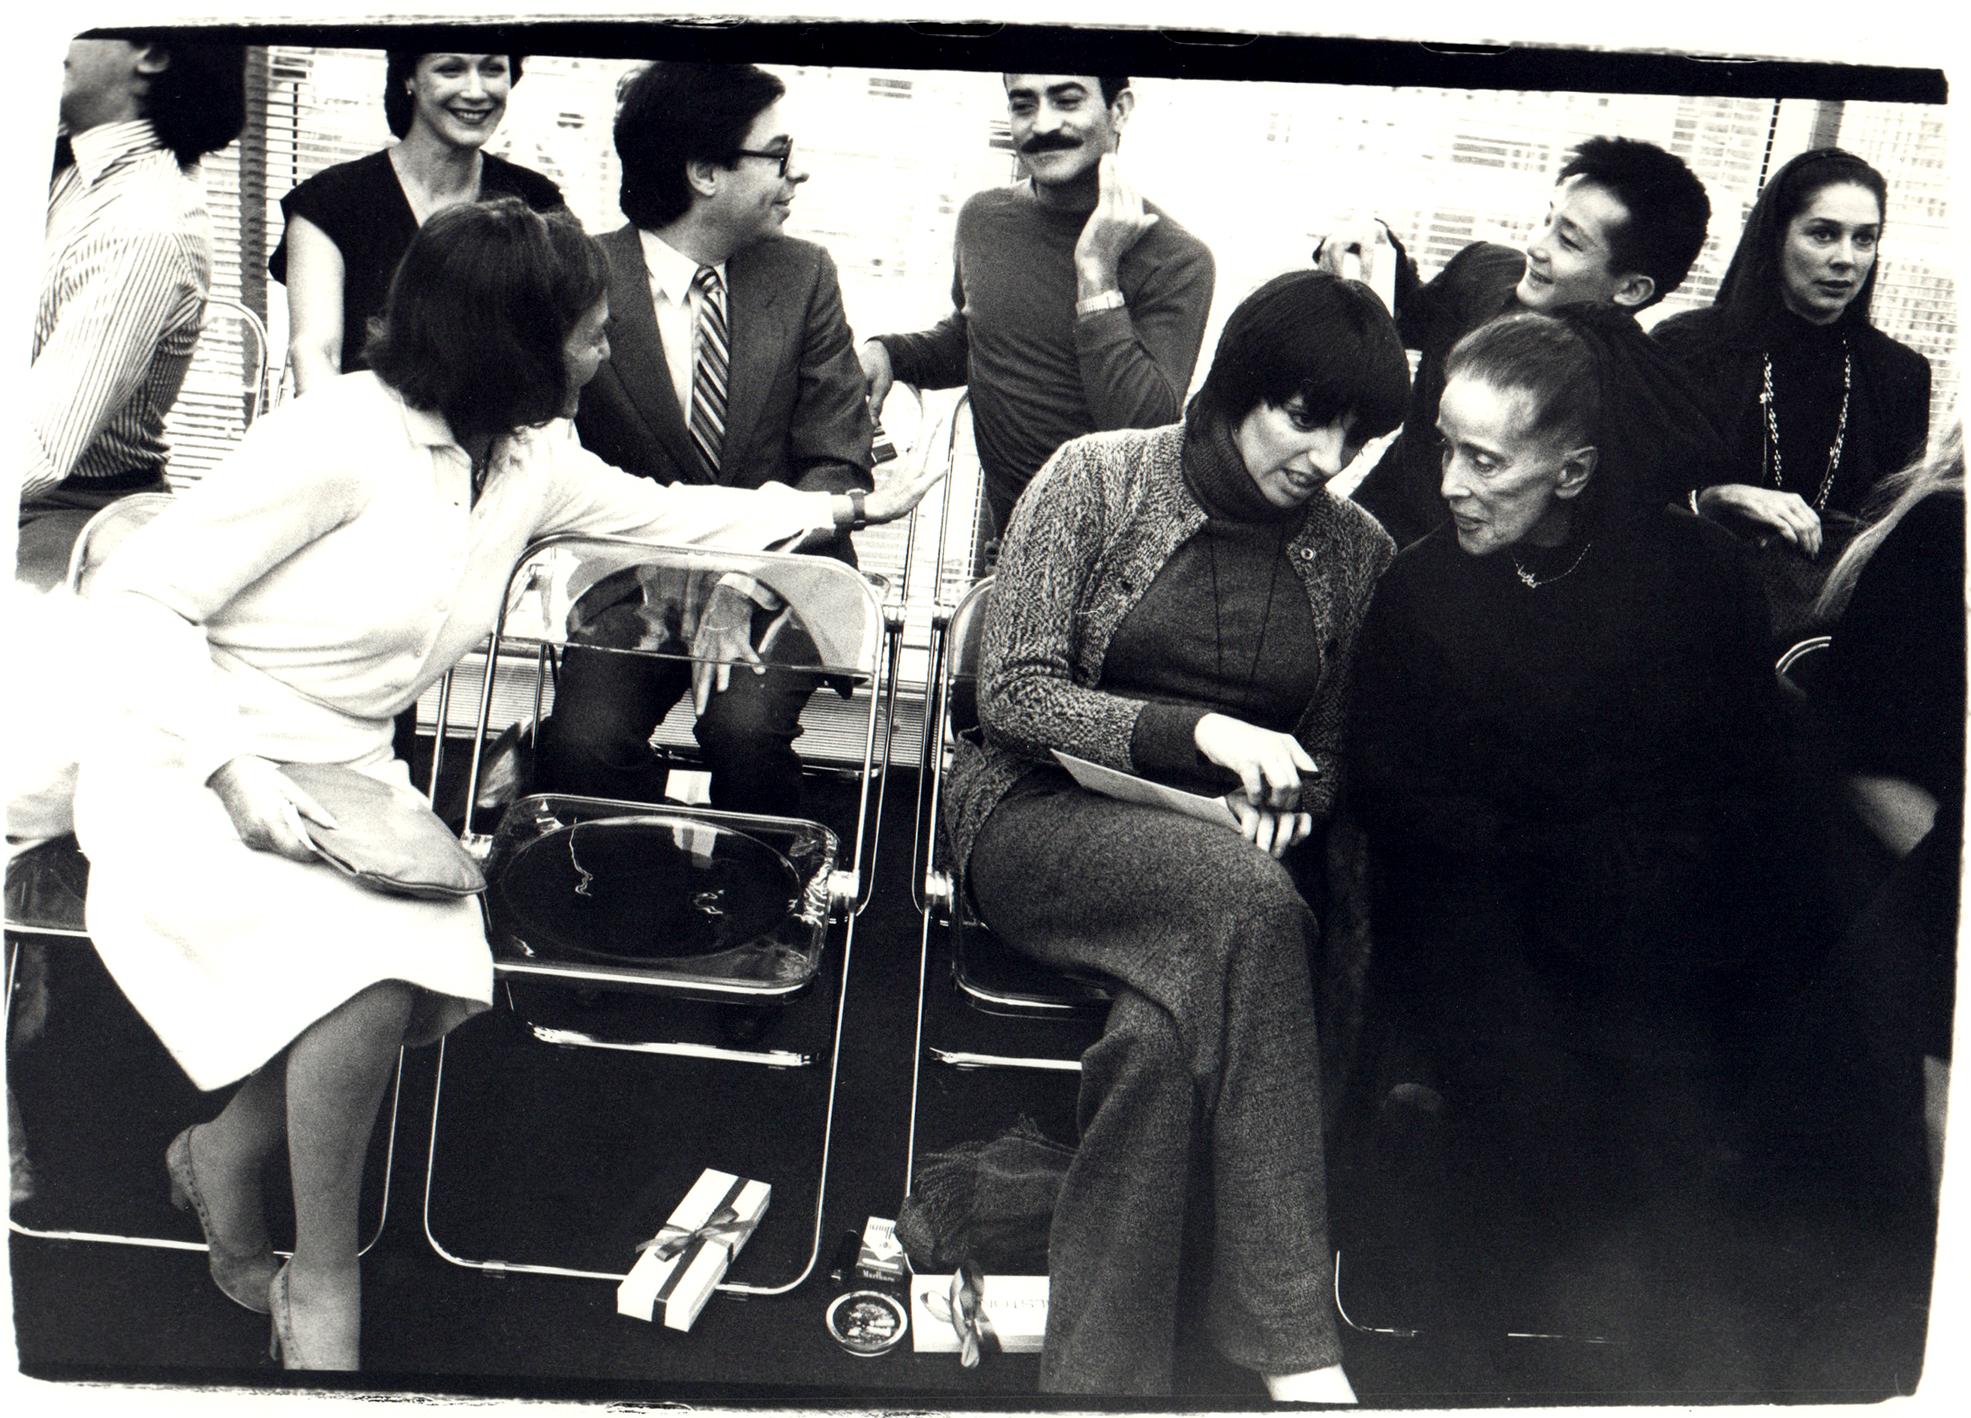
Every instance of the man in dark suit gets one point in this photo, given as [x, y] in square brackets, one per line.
[731, 363]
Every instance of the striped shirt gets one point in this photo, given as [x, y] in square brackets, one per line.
[123, 287]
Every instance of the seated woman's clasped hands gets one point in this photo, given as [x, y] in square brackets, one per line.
[1270, 766]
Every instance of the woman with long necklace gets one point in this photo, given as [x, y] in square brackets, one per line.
[1816, 404]
[1182, 603]
[1564, 745]
[349, 225]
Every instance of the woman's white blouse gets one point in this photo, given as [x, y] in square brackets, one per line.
[335, 565]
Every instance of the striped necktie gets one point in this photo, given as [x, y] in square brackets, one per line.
[710, 359]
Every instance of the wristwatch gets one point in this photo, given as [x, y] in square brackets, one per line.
[1110, 299]
[859, 516]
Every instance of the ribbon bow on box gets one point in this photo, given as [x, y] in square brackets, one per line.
[723, 1227]
[960, 1308]
[677, 1269]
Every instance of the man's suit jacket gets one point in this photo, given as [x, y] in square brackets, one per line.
[795, 410]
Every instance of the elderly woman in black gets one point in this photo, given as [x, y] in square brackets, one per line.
[312, 586]
[1563, 741]
[1816, 404]
[1182, 602]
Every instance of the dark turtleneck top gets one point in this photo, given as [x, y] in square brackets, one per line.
[1888, 401]
[1807, 363]
[1223, 628]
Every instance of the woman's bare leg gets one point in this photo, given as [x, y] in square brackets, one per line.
[336, 1072]
[230, 1152]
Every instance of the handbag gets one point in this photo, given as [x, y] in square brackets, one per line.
[1793, 582]
[386, 838]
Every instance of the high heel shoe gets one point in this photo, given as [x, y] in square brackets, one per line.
[317, 1352]
[242, 1276]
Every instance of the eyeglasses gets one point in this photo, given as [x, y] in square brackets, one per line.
[783, 156]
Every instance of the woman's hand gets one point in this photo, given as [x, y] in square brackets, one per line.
[267, 807]
[1272, 832]
[1269, 764]
[1785, 512]
[896, 496]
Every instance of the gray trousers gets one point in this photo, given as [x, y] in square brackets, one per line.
[1202, 1098]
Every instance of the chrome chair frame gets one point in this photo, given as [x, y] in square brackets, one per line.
[110, 522]
[1812, 645]
[942, 903]
[849, 889]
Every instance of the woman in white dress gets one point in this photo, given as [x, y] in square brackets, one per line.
[347, 554]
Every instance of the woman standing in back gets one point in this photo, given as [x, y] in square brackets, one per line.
[349, 225]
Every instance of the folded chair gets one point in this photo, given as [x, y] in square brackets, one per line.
[669, 977]
[95, 1097]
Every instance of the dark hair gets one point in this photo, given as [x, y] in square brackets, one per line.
[1111, 85]
[1545, 358]
[1314, 335]
[1668, 210]
[1752, 284]
[401, 66]
[677, 113]
[480, 311]
[197, 103]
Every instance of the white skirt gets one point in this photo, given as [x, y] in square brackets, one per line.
[230, 953]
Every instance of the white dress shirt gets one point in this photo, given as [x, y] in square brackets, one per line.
[676, 299]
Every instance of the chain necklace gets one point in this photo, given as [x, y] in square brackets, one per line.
[1265, 615]
[1840, 427]
[1534, 583]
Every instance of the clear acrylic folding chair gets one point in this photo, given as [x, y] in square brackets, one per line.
[665, 995]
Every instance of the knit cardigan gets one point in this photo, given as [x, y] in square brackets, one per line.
[1098, 523]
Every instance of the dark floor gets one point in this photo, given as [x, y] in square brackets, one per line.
[568, 1156]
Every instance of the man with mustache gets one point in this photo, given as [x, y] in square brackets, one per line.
[730, 363]
[1078, 306]
[1626, 222]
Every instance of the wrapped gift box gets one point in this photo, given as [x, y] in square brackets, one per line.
[682, 1263]
[1014, 1305]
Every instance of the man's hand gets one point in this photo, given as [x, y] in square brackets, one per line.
[1361, 251]
[1269, 764]
[1785, 512]
[1116, 224]
[267, 807]
[877, 373]
[724, 636]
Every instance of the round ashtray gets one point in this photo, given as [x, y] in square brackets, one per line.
[867, 1322]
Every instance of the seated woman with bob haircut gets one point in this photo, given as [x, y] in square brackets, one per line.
[1565, 748]
[1182, 603]
[352, 548]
